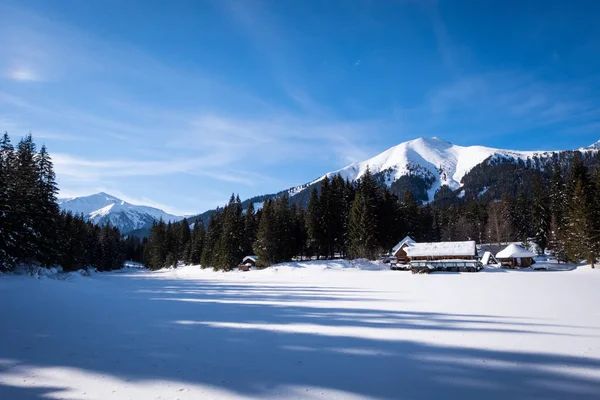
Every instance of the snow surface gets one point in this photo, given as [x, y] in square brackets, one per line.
[440, 249]
[102, 208]
[309, 330]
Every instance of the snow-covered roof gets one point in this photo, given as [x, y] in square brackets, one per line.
[440, 249]
[514, 251]
[406, 240]
[250, 258]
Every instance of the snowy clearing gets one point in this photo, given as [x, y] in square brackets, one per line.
[310, 330]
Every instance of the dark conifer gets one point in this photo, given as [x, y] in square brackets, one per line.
[265, 246]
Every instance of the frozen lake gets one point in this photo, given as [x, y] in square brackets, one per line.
[315, 330]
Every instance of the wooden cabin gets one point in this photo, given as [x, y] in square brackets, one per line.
[515, 256]
[443, 256]
[247, 263]
[399, 250]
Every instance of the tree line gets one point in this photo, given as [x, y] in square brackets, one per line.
[558, 210]
[33, 230]
[342, 219]
[556, 207]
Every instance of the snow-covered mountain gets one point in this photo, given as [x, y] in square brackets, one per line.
[433, 159]
[102, 208]
[595, 146]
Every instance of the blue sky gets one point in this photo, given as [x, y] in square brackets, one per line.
[178, 103]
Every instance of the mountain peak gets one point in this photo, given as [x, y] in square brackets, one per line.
[102, 208]
[594, 145]
[430, 158]
[108, 197]
[431, 142]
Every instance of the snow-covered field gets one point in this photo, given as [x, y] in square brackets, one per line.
[319, 330]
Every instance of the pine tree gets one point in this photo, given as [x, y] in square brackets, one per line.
[157, 245]
[326, 211]
[265, 246]
[363, 219]
[577, 223]
[210, 250]
[339, 210]
[198, 243]
[313, 225]
[558, 203]
[250, 230]
[363, 241]
[388, 221]
[184, 241]
[27, 210]
[540, 214]
[522, 218]
[579, 214]
[283, 229]
[231, 239]
[298, 231]
[410, 212]
[47, 209]
[595, 220]
[8, 244]
[499, 225]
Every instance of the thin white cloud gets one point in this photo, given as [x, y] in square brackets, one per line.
[23, 74]
[87, 169]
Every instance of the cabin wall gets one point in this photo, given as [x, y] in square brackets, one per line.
[514, 262]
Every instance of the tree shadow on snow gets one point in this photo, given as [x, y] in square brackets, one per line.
[256, 340]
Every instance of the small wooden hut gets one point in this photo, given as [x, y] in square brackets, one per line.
[515, 256]
[248, 262]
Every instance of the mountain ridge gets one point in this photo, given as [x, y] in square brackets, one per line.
[102, 208]
[422, 166]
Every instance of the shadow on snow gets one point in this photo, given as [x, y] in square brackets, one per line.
[234, 337]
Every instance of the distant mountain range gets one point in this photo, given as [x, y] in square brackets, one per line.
[102, 208]
[422, 166]
[425, 165]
